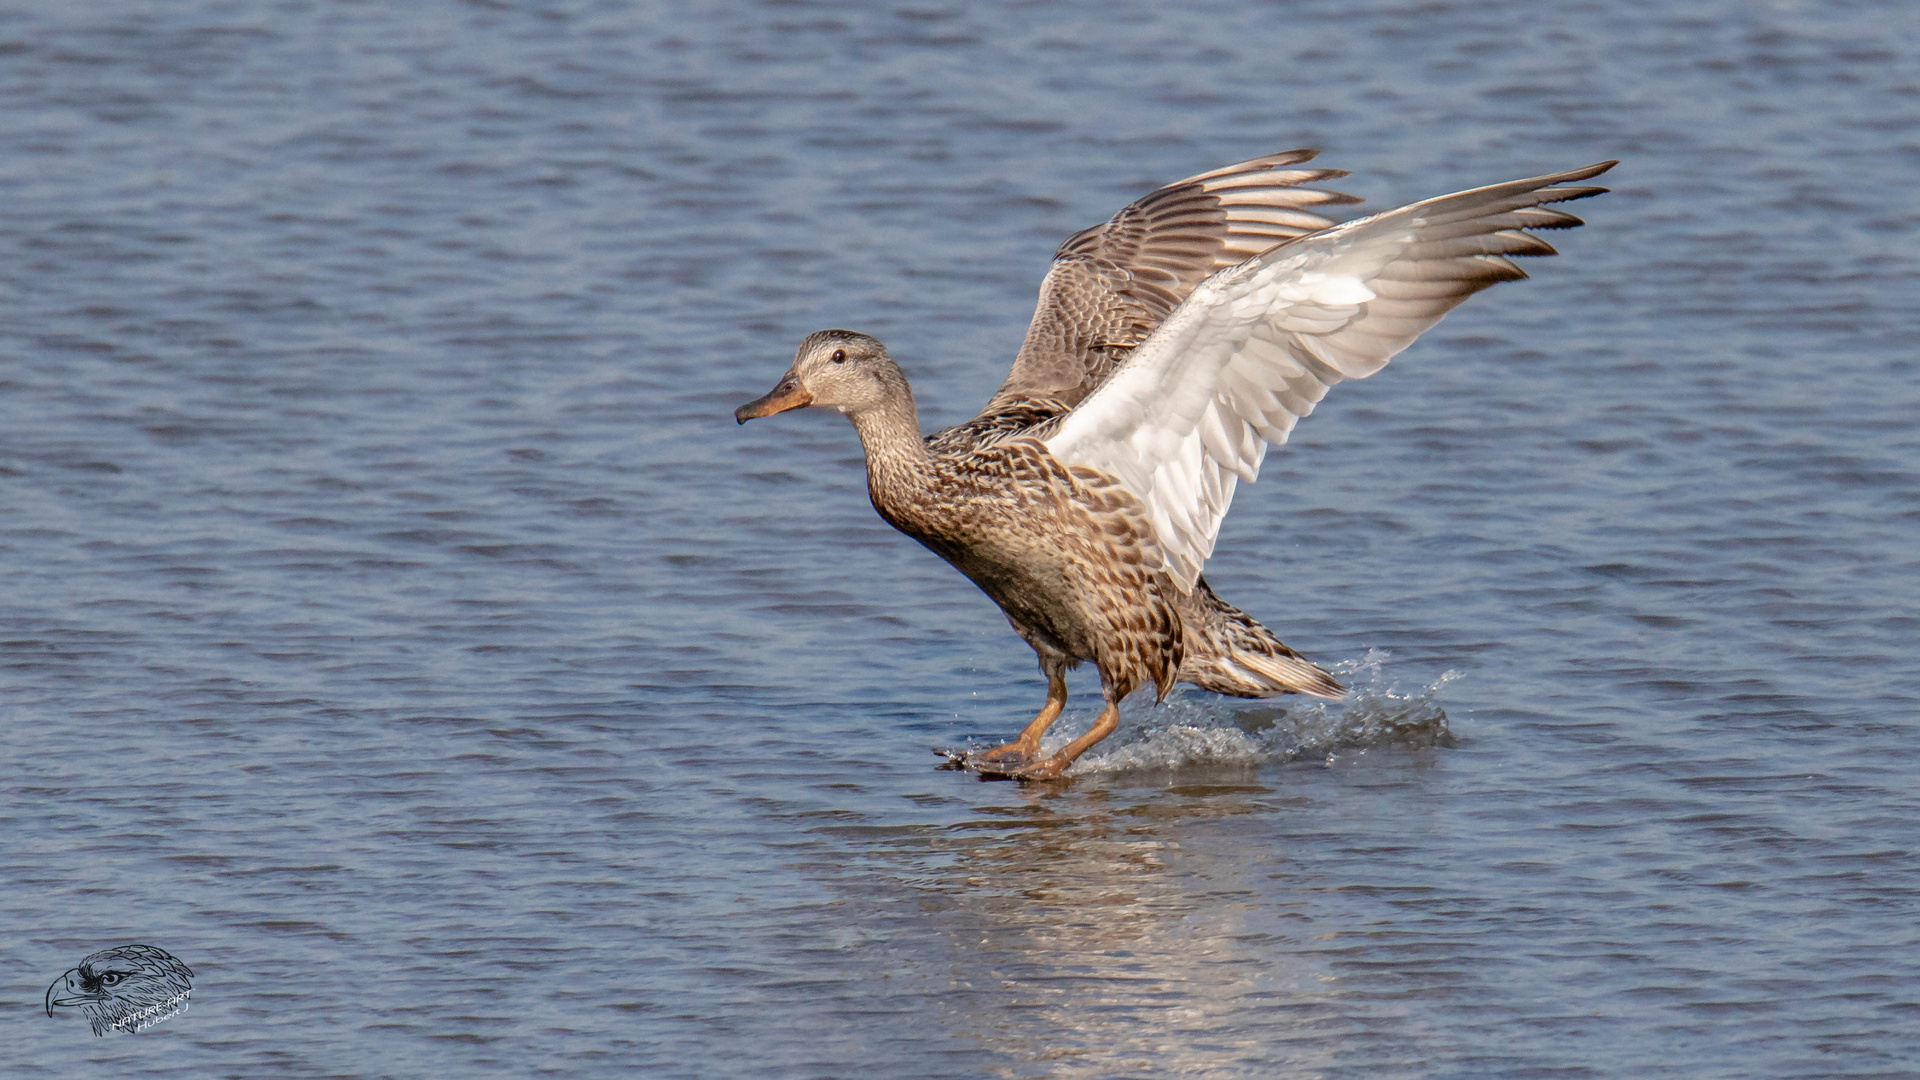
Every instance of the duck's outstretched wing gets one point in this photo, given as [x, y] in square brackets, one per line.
[1110, 285]
[1255, 347]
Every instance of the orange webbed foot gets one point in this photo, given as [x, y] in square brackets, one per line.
[1001, 761]
[1050, 769]
[1016, 764]
[1016, 752]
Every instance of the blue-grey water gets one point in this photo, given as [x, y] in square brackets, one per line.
[397, 628]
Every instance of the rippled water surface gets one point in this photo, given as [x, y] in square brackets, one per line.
[398, 629]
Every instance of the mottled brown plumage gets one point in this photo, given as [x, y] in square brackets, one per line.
[1224, 267]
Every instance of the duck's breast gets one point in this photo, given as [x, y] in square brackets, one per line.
[1060, 553]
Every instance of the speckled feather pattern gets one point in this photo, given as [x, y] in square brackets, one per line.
[1110, 285]
[1068, 555]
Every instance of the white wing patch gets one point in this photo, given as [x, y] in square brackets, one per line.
[1256, 346]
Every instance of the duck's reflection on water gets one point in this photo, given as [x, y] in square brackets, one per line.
[1079, 933]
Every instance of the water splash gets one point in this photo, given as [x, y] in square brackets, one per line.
[1195, 730]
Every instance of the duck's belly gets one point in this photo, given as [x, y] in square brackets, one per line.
[1034, 583]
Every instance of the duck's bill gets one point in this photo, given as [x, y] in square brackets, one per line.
[788, 395]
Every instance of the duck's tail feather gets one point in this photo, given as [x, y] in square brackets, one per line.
[1229, 653]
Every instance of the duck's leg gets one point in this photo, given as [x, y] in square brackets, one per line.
[1052, 767]
[1027, 747]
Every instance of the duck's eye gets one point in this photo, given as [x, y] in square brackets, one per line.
[112, 978]
[839, 356]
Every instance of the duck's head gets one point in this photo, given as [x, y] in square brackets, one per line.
[834, 369]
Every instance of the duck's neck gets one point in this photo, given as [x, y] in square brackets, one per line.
[897, 458]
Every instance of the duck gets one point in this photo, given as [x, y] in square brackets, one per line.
[1171, 346]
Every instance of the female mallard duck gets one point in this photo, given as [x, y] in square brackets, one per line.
[1172, 344]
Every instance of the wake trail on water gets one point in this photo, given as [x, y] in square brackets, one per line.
[1194, 729]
